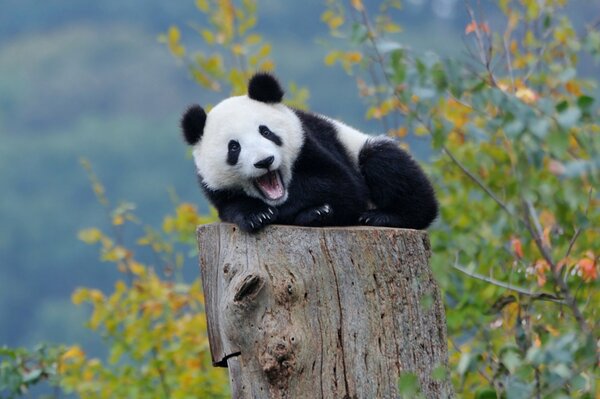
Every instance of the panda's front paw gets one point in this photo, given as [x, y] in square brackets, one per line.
[317, 216]
[376, 217]
[255, 221]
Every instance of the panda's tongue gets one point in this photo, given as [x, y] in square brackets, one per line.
[270, 185]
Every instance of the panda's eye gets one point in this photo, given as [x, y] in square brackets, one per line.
[269, 135]
[233, 152]
[234, 146]
[262, 129]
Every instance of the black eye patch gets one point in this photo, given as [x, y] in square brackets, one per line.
[269, 135]
[233, 152]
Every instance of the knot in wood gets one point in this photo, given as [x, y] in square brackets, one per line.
[278, 361]
[249, 288]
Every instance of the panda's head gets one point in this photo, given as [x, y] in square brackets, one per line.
[247, 142]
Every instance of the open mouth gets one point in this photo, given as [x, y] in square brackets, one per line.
[270, 185]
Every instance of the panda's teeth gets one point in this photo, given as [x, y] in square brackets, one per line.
[270, 185]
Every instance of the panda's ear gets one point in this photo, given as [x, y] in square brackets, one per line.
[192, 124]
[265, 88]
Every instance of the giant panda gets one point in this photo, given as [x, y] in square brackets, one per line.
[261, 162]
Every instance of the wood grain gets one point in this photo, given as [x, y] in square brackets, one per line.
[299, 312]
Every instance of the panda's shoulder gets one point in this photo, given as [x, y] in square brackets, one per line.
[315, 125]
[333, 133]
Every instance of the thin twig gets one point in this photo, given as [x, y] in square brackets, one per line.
[533, 225]
[579, 229]
[477, 181]
[535, 295]
[161, 375]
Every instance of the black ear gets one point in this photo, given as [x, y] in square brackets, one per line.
[192, 124]
[265, 88]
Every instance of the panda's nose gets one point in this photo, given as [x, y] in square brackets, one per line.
[265, 163]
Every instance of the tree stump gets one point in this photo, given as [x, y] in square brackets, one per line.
[298, 312]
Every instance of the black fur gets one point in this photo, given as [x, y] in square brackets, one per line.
[269, 135]
[387, 189]
[265, 88]
[400, 191]
[192, 124]
[327, 190]
[233, 152]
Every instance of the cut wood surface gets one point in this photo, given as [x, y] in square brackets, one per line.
[298, 312]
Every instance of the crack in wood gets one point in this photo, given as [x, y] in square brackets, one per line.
[341, 313]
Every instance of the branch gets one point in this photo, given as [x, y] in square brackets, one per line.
[476, 180]
[535, 295]
[533, 225]
[578, 230]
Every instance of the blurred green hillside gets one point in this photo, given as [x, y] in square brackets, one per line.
[80, 79]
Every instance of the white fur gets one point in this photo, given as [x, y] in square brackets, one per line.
[353, 140]
[238, 118]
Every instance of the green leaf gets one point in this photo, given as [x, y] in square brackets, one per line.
[567, 75]
[486, 393]
[511, 360]
[387, 46]
[585, 102]
[32, 376]
[569, 117]
[539, 127]
[359, 33]
[514, 128]
[398, 67]
[581, 167]
[408, 385]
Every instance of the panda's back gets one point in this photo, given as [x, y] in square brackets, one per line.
[337, 140]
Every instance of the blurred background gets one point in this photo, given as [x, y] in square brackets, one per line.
[90, 79]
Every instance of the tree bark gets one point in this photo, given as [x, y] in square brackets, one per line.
[298, 312]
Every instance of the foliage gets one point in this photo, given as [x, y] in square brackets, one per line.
[515, 134]
[231, 52]
[20, 369]
[153, 322]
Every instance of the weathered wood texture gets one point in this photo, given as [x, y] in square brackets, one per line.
[300, 312]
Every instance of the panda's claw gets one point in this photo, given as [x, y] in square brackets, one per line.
[317, 216]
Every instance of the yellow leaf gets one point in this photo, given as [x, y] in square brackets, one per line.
[267, 66]
[400, 132]
[573, 88]
[332, 57]
[74, 352]
[392, 28]
[335, 22]
[202, 5]
[358, 5]
[208, 36]
[353, 57]
[253, 39]
[173, 37]
[136, 268]
[90, 236]
[118, 220]
[80, 295]
[237, 49]
[264, 50]
[527, 95]
[96, 295]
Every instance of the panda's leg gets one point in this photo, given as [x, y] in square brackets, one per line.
[316, 216]
[402, 194]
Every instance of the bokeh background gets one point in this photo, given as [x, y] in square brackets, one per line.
[91, 80]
